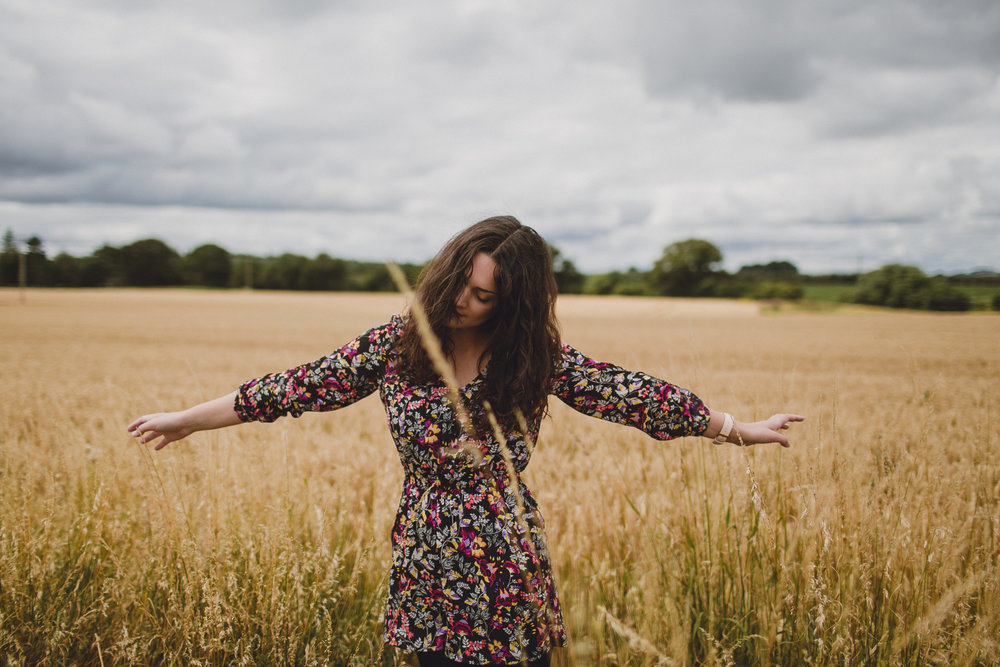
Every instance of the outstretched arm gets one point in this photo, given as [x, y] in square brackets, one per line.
[752, 433]
[657, 407]
[172, 426]
[333, 381]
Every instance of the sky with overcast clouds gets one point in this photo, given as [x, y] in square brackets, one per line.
[837, 134]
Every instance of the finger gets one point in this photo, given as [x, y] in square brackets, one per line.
[783, 420]
[148, 435]
[143, 424]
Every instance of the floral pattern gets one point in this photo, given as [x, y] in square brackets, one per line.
[470, 576]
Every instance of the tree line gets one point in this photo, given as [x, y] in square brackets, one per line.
[686, 268]
[153, 263]
[690, 268]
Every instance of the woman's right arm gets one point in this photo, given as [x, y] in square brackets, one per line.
[172, 426]
[338, 379]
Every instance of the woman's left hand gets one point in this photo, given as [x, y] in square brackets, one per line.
[768, 430]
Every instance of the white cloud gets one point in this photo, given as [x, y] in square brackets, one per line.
[828, 134]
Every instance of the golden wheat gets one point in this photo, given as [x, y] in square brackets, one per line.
[874, 540]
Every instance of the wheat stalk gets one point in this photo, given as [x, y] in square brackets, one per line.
[438, 359]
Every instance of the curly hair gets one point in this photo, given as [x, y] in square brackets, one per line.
[524, 339]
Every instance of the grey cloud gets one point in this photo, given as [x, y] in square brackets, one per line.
[634, 214]
[733, 50]
[781, 50]
[184, 187]
[589, 121]
[232, 13]
[881, 102]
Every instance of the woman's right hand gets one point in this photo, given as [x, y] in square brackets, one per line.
[170, 426]
[173, 426]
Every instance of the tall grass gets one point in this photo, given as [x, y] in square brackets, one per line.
[874, 540]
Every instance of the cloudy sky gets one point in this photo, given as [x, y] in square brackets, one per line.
[836, 134]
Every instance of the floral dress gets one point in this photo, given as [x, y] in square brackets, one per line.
[470, 574]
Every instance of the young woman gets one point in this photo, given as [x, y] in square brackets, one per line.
[470, 581]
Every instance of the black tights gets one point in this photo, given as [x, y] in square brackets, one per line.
[439, 660]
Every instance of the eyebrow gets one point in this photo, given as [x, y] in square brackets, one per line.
[480, 289]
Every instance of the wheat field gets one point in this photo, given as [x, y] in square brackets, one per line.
[874, 540]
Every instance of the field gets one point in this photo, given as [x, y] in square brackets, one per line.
[874, 540]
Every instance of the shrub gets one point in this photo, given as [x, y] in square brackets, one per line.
[900, 286]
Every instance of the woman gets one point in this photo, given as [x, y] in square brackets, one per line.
[470, 581]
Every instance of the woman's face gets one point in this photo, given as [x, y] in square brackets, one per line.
[478, 299]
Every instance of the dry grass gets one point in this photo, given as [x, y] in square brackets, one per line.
[874, 540]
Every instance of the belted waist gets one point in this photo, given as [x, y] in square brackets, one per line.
[455, 468]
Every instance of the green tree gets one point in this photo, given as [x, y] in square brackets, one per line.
[901, 286]
[893, 285]
[9, 259]
[103, 268]
[148, 263]
[780, 271]
[282, 272]
[207, 265]
[246, 271]
[413, 272]
[766, 289]
[568, 279]
[630, 283]
[377, 279]
[686, 268]
[941, 295]
[774, 280]
[38, 265]
[323, 273]
[67, 271]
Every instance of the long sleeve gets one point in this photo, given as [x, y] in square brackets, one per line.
[343, 377]
[634, 398]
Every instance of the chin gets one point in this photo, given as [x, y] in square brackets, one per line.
[463, 323]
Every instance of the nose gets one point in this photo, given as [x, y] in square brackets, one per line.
[463, 298]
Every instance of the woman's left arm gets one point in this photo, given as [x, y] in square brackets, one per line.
[660, 409]
[749, 433]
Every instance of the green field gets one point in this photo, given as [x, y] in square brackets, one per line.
[981, 296]
[832, 292]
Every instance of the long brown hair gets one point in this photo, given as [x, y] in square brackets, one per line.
[524, 333]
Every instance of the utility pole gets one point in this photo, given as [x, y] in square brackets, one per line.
[22, 272]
